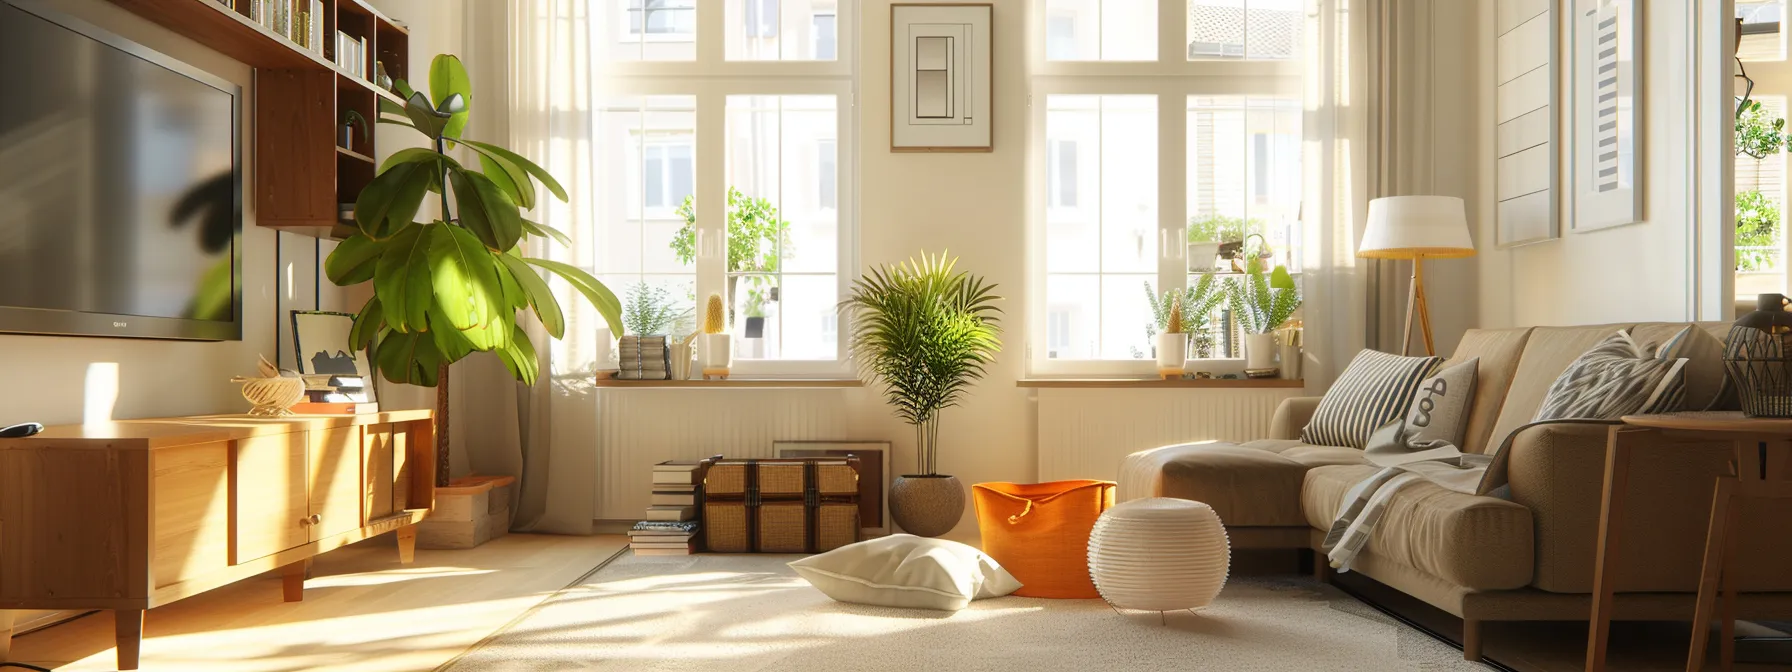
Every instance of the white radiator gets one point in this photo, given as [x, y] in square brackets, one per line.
[639, 428]
[1085, 433]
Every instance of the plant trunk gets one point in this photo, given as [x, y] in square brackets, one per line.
[927, 446]
[442, 426]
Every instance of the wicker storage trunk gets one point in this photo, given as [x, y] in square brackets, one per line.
[780, 505]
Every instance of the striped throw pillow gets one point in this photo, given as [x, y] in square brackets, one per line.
[1375, 388]
[1618, 378]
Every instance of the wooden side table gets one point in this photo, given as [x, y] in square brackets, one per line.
[1762, 449]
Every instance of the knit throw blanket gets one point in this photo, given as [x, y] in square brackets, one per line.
[1403, 461]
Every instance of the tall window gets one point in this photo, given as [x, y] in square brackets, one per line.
[662, 17]
[1762, 252]
[766, 147]
[1141, 151]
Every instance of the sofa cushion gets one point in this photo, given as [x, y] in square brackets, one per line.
[1547, 352]
[1616, 378]
[1483, 543]
[1251, 485]
[1703, 350]
[1498, 350]
[1374, 389]
[1439, 411]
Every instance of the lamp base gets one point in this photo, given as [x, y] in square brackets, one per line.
[1416, 308]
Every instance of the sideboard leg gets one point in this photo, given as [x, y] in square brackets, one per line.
[407, 544]
[5, 635]
[292, 580]
[130, 637]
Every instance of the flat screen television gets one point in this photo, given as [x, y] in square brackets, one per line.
[120, 186]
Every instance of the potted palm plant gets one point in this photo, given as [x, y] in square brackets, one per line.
[925, 333]
[457, 284]
[1262, 305]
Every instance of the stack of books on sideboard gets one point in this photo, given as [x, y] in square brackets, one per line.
[671, 524]
[642, 358]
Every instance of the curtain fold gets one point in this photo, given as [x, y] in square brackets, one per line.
[530, 60]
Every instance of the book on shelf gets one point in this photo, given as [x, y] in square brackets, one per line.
[670, 544]
[328, 408]
[671, 513]
[652, 535]
[669, 498]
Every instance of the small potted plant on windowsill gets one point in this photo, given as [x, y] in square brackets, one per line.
[1209, 236]
[1180, 314]
[1262, 304]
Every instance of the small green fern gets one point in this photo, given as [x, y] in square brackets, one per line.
[1261, 303]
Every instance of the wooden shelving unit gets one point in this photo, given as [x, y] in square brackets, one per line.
[302, 173]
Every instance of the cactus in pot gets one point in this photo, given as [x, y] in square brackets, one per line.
[718, 344]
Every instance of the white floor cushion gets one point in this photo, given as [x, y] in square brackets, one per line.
[904, 570]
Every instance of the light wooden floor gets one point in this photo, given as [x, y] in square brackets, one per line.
[362, 611]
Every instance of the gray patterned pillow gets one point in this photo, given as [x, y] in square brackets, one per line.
[1375, 388]
[1614, 379]
[1440, 408]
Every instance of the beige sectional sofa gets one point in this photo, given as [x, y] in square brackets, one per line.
[1529, 557]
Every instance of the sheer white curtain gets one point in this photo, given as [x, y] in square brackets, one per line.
[530, 60]
[1370, 124]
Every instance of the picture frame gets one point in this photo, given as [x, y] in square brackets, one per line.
[874, 475]
[321, 347]
[1607, 170]
[1527, 135]
[941, 85]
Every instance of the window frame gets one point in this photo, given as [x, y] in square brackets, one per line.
[645, 35]
[1173, 78]
[711, 79]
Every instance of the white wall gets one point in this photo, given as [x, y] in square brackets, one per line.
[1640, 272]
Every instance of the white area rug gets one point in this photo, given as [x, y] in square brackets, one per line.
[740, 613]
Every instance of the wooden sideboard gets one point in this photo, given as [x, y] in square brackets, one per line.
[132, 515]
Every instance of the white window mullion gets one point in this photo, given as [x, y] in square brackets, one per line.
[711, 36]
[1172, 191]
[710, 156]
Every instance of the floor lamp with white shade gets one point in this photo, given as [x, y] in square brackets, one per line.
[1416, 228]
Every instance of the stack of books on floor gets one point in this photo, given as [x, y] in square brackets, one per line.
[642, 358]
[671, 524]
[663, 537]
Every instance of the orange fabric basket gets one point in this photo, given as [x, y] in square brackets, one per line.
[1040, 532]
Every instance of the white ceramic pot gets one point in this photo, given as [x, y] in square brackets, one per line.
[1172, 353]
[681, 361]
[718, 351]
[1201, 256]
[1259, 351]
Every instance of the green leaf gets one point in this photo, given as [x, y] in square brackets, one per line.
[403, 88]
[389, 107]
[389, 203]
[451, 342]
[600, 296]
[403, 281]
[547, 307]
[353, 261]
[367, 324]
[537, 171]
[408, 358]
[541, 230]
[418, 155]
[466, 285]
[425, 118]
[448, 78]
[1280, 278]
[519, 357]
[486, 210]
[511, 178]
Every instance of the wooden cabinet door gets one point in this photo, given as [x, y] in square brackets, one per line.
[401, 467]
[335, 469]
[268, 479]
[376, 470]
[192, 512]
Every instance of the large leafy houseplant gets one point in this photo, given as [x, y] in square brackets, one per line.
[456, 284]
[926, 333]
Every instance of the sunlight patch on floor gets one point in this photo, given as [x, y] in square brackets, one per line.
[391, 576]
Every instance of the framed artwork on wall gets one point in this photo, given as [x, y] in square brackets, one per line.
[940, 85]
[320, 345]
[1525, 113]
[1607, 58]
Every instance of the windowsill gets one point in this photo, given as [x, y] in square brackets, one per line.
[1158, 383]
[734, 383]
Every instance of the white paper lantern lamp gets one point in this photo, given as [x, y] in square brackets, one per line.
[1159, 554]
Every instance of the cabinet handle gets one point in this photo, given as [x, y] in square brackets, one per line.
[315, 519]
